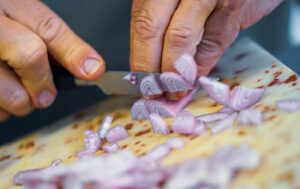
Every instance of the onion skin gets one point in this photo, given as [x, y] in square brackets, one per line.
[159, 125]
[250, 117]
[174, 82]
[218, 91]
[184, 123]
[139, 110]
[223, 124]
[243, 97]
[149, 86]
[288, 105]
[187, 67]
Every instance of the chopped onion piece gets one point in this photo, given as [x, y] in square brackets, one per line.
[168, 108]
[223, 124]
[131, 78]
[288, 105]
[187, 67]
[226, 110]
[104, 126]
[23, 177]
[92, 140]
[85, 154]
[216, 90]
[149, 86]
[200, 128]
[56, 163]
[174, 82]
[175, 143]
[111, 148]
[159, 125]
[116, 134]
[157, 153]
[211, 117]
[184, 123]
[243, 97]
[251, 117]
[139, 110]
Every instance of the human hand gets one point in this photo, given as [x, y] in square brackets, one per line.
[29, 30]
[163, 30]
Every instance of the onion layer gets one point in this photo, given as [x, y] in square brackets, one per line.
[212, 117]
[157, 153]
[184, 123]
[159, 125]
[174, 82]
[216, 90]
[288, 105]
[116, 134]
[104, 126]
[187, 67]
[223, 124]
[243, 97]
[251, 117]
[85, 154]
[149, 86]
[110, 148]
[139, 110]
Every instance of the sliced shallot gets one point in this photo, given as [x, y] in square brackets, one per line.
[187, 67]
[168, 108]
[56, 163]
[175, 143]
[212, 117]
[184, 123]
[116, 134]
[85, 154]
[223, 124]
[104, 126]
[131, 78]
[159, 125]
[157, 153]
[251, 117]
[174, 82]
[288, 105]
[110, 148]
[92, 140]
[226, 110]
[149, 86]
[216, 90]
[199, 128]
[244, 97]
[139, 110]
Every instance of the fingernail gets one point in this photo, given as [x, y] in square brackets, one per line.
[46, 98]
[90, 66]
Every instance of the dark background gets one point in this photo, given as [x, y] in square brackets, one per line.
[105, 25]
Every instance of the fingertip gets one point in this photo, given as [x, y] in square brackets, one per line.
[92, 68]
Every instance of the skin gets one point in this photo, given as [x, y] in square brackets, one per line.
[161, 31]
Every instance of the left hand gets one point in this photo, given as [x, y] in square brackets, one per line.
[163, 30]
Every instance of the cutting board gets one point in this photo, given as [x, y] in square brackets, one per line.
[277, 141]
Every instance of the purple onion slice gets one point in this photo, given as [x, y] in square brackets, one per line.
[187, 67]
[139, 110]
[110, 148]
[184, 123]
[159, 125]
[149, 86]
[288, 105]
[174, 82]
[116, 134]
[251, 117]
[223, 124]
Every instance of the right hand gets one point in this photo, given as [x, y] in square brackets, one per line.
[29, 30]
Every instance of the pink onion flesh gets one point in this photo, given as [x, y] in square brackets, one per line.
[92, 140]
[149, 86]
[211, 117]
[85, 154]
[110, 148]
[226, 110]
[223, 124]
[175, 143]
[187, 67]
[288, 105]
[199, 128]
[157, 153]
[116, 134]
[243, 97]
[174, 82]
[168, 108]
[216, 90]
[139, 110]
[159, 125]
[184, 123]
[104, 126]
[250, 117]
[131, 78]
[56, 163]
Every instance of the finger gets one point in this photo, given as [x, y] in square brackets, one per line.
[4, 115]
[66, 47]
[150, 19]
[27, 54]
[221, 29]
[185, 30]
[13, 96]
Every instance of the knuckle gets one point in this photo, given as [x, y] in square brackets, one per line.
[49, 28]
[145, 25]
[18, 101]
[180, 36]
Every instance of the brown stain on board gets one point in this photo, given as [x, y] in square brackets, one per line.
[267, 71]
[27, 145]
[19, 157]
[288, 176]
[276, 74]
[275, 81]
[140, 133]
[273, 66]
[129, 126]
[193, 137]
[294, 84]
[240, 56]
[136, 143]
[242, 133]
[143, 145]
[118, 115]
[125, 146]
[39, 148]
[258, 80]
[75, 126]
[5, 157]
[78, 116]
[271, 117]
[241, 70]
[291, 78]
[260, 87]
[234, 84]
[268, 109]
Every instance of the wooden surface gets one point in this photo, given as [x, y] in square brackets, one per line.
[277, 141]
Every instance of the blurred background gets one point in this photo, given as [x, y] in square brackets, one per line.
[105, 25]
